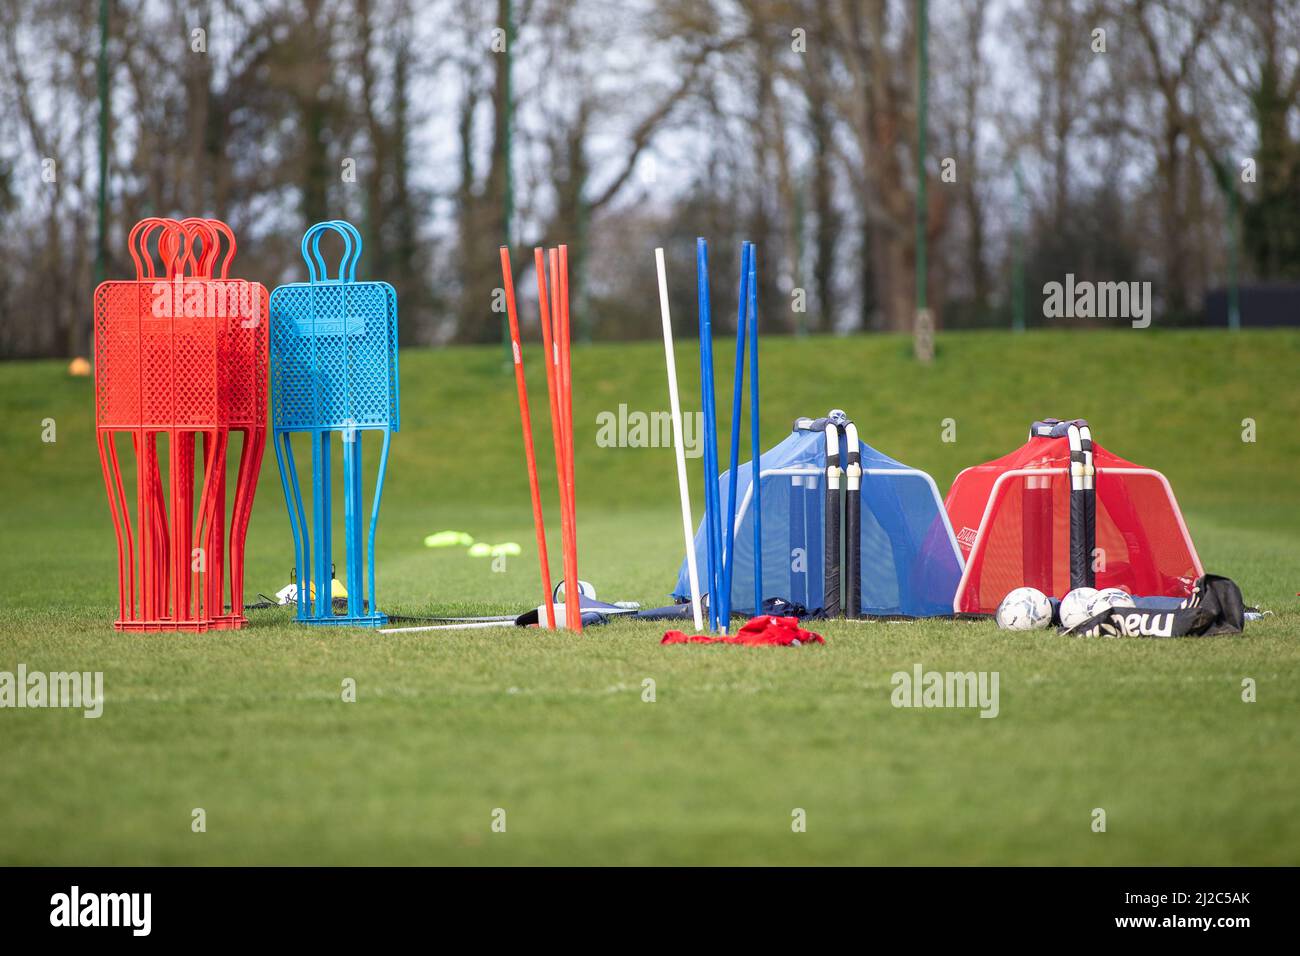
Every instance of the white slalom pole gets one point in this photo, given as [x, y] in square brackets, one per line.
[688, 529]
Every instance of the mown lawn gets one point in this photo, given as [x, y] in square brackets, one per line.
[553, 729]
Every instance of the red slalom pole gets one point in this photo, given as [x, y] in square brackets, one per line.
[526, 424]
[545, 301]
[571, 586]
[561, 431]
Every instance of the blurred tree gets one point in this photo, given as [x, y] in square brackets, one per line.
[1272, 83]
[1170, 60]
[480, 192]
[647, 122]
[874, 42]
[827, 219]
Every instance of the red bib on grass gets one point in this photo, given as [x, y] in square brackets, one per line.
[764, 629]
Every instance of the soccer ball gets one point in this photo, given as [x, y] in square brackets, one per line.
[1076, 606]
[1108, 598]
[1024, 609]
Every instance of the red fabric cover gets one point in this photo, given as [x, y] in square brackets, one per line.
[764, 629]
[1027, 542]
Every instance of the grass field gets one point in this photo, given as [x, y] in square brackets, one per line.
[552, 728]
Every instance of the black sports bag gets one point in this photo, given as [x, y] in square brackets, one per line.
[1214, 607]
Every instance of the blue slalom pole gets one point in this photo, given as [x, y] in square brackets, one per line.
[322, 485]
[756, 448]
[712, 530]
[738, 383]
[352, 544]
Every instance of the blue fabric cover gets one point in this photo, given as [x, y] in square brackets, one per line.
[910, 563]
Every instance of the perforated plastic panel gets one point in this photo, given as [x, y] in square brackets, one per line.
[334, 353]
[333, 368]
[180, 351]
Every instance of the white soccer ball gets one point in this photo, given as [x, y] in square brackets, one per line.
[1024, 609]
[1075, 606]
[1108, 598]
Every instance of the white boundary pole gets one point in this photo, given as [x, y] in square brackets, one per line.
[688, 526]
